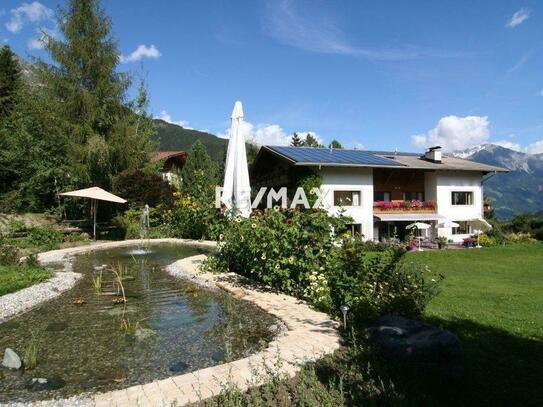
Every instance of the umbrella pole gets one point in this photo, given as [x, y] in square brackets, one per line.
[95, 209]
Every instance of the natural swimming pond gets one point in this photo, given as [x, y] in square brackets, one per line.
[90, 341]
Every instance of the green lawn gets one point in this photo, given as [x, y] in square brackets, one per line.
[14, 278]
[492, 299]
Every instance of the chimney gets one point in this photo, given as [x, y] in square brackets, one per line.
[433, 154]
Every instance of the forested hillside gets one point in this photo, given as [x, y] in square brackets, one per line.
[173, 137]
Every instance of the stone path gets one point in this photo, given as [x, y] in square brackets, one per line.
[309, 336]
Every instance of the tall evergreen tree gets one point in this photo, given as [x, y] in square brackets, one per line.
[91, 95]
[200, 173]
[311, 141]
[10, 81]
[296, 141]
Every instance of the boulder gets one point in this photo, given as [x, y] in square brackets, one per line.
[403, 339]
[11, 359]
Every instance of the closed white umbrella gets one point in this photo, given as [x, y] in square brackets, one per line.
[480, 225]
[420, 226]
[95, 194]
[237, 188]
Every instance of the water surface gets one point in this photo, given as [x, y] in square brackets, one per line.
[174, 325]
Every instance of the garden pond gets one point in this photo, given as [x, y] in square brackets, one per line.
[89, 339]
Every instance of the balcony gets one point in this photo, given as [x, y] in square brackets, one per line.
[415, 206]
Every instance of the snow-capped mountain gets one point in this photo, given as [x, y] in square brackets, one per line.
[520, 190]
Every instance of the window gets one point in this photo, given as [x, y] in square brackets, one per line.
[355, 229]
[347, 198]
[413, 196]
[463, 229]
[462, 198]
[381, 196]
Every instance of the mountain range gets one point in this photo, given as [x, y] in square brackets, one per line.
[520, 190]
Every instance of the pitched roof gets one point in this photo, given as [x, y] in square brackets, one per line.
[310, 156]
[164, 155]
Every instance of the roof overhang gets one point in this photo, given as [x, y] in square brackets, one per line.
[407, 217]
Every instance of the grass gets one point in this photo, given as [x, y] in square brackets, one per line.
[14, 278]
[492, 299]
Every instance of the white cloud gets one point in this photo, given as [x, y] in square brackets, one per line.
[143, 51]
[541, 92]
[535, 148]
[518, 18]
[35, 43]
[508, 144]
[319, 32]
[39, 42]
[455, 133]
[164, 115]
[267, 134]
[28, 12]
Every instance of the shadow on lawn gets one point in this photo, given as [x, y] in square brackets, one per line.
[500, 369]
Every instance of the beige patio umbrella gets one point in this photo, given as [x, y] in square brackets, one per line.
[95, 194]
[419, 226]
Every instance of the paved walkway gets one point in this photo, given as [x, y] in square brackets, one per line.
[309, 336]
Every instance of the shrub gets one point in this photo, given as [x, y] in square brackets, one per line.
[375, 283]
[140, 188]
[487, 241]
[44, 237]
[297, 253]
[280, 248]
[9, 254]
[519, 237]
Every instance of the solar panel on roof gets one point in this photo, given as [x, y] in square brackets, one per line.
[326, 156]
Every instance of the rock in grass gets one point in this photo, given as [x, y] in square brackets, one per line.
[404, 339]
[11, 359]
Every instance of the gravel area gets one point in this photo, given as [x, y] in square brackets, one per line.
[76, 401]
[27, 298]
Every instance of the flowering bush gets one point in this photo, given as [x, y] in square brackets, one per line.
[284, 249]
[308, 254]
[406, 205]
[195, 217]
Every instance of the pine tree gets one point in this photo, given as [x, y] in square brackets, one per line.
[311, 141]
[200, 173]
[296, 141]
[90, 95]
[10, 81]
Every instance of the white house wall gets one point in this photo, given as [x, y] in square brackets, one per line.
[350, 179]
[450, 181]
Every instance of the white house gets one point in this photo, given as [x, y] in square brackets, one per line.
[383, 191]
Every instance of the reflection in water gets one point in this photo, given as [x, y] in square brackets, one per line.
[166, 326]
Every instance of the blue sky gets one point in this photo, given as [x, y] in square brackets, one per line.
[404, 74]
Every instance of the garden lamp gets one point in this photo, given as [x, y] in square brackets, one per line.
[344, 309]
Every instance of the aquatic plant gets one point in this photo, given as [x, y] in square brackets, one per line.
[118, 271]
[30, 357]
[130, 328]
[97, 283]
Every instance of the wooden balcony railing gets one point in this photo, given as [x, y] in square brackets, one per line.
[405, 206]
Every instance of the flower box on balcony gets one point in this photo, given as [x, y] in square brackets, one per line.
[404, 206]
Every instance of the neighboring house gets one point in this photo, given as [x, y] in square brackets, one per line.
[385, 191]
[172, 163]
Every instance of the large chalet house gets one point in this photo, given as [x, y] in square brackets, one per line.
[383, 192]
